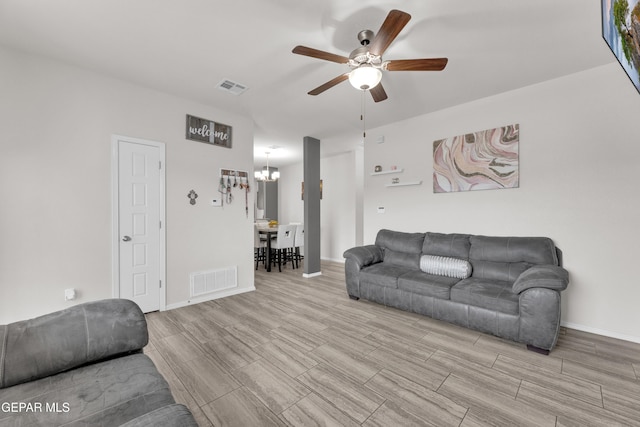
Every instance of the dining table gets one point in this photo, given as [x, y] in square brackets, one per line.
[269, 232]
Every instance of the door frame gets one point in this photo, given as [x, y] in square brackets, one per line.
[115, 220]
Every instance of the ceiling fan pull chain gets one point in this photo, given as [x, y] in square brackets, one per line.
[364, 125]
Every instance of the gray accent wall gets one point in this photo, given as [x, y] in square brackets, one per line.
[271, 210]
[311, 173]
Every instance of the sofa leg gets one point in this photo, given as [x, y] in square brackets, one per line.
[354, 298]
[537, 349]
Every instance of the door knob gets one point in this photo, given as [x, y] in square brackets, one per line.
[126, 238]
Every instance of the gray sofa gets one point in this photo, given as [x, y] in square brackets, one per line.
[506, 286]
[83, 366]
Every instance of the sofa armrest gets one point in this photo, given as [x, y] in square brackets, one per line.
[542, 276]
[66, 339]
[365, 255]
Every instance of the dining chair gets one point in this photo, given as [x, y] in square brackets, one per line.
[259, 247]
[262, 223]
[283, 245]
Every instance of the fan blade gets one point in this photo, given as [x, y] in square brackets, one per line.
[378, 93]
[431, 64]
[329, 84]
[391, 27]
[320, 54]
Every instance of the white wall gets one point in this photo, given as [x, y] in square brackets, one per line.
[56, 123]
[338, 221]
[579, 158]
[338, 206]
[290, 205]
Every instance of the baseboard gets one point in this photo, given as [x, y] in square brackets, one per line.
[308, 276]
[601, 332]
[341, 260]
[206, 298]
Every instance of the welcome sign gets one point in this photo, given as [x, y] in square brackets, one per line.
[208, 131]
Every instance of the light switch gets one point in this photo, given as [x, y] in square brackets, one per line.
[380, 209]
[216, 202]
[69, 294]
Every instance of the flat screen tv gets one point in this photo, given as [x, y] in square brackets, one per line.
[621, 31]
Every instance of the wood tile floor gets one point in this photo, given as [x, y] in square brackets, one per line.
[299, 352]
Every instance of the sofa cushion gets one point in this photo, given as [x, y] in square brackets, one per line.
[490, 294]
[505, 258]
[107, 393]
[402, 259]
[399, 241]
[533, 250]
[502, 271]
[382, 274]
[427, 284]
[450, 245]
[445, 266]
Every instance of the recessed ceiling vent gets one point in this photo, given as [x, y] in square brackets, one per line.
[231, 87]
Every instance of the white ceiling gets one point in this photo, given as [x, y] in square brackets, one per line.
[187, 47]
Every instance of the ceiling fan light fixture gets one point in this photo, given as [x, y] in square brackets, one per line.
[366, 61]
[365, 77]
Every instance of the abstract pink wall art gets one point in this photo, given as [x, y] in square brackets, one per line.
[486, 160]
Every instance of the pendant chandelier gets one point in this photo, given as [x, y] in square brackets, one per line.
[265, 174]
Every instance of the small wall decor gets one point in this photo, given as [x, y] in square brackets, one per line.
[620, 24]
[302, 190]
[485, 160]
[192, 197]
[208, 131]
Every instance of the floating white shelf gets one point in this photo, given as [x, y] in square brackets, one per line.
[387, 172]
[404, 184]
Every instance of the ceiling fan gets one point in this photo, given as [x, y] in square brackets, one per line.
[366, 62]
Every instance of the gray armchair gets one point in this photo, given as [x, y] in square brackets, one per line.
[84, 366]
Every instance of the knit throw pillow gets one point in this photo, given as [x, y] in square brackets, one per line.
[445, 266]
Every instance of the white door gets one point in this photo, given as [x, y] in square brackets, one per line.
[140, 233]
